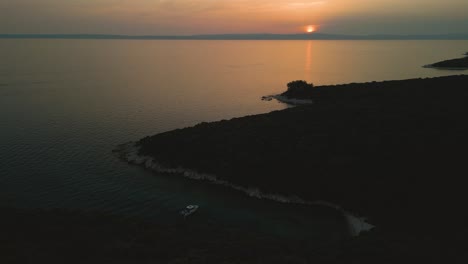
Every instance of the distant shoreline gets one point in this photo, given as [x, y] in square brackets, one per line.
[313, 36]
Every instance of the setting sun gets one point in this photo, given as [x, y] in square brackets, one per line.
[310, 29]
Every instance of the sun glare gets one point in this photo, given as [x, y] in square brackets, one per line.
[310, 29]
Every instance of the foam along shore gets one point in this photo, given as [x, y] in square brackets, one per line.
[129, 152]
[356, 224]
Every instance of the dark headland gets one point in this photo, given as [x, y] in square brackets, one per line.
[453, 64]
[394, 151]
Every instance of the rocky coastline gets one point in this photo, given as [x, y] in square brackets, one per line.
[286, 100]
[129, 152]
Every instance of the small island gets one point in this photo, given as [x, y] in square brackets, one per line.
[453, 64]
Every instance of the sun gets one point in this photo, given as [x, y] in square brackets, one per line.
[310, 29]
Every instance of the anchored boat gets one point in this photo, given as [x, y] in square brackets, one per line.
[189, 209]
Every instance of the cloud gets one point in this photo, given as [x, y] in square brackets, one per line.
[306, 4]
[214, 16]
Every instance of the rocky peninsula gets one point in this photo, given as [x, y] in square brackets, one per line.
[391, 150]
[453, 64]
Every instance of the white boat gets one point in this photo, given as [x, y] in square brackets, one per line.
[188, 210]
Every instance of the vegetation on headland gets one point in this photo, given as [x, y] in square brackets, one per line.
[392, 151]
[460, 63]
[298, 89]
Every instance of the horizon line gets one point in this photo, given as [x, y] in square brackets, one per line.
[244, 36]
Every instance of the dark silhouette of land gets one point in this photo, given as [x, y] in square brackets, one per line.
[394, 151]
[455, 64]
[357, 140]
[298, 90]
[262, 36]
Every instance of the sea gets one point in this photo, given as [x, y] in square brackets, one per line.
[66, 104]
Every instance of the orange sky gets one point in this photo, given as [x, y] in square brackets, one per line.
[181, 17]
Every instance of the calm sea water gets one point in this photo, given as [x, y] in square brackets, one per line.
[65, 104]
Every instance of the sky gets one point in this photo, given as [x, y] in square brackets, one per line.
[188, 17]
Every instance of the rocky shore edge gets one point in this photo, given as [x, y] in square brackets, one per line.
[129, 152]
[290, 101]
